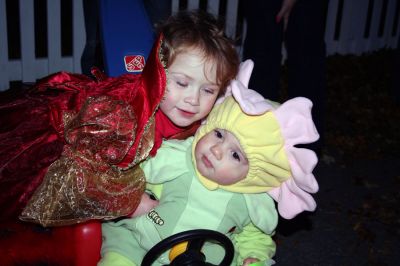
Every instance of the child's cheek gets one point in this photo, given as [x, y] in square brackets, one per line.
[168, 101]
[209, 104]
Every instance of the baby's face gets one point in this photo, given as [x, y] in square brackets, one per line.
[220, 158]
[191, 89]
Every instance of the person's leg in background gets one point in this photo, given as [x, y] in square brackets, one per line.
[91, 55]
[305, 46]
[396, 74]
[263, 44]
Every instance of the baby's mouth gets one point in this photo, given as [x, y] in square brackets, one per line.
[206, 161]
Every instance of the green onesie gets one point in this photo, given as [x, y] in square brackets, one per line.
[186, 204]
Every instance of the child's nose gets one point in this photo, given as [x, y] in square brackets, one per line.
[217, 151]
[192, 97]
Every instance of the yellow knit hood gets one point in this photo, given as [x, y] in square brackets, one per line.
[261, 139]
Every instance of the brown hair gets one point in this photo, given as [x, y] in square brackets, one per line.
[200, 30]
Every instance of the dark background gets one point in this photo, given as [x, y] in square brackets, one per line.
[357, 220]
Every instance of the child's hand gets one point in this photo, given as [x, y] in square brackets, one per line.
[146, 205]
[249, 261]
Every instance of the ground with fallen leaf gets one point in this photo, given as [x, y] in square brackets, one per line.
[357, 220]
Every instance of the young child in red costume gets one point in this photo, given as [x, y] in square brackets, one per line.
[70, 145]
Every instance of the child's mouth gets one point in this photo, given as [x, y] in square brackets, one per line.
[206, 162]
[186, 113]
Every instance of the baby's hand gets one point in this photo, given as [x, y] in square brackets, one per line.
[249, 261]
[146, 205]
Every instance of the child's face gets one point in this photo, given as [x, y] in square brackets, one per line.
[191, 89]
[220, 158]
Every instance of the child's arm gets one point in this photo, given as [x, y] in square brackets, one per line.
[252, 243]
[145, 206]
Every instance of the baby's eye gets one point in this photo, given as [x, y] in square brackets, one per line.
[236, 156]
[218, 134]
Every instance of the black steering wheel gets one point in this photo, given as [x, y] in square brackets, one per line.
[193, 255]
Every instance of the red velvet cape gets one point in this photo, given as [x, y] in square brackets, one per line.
[109, 119]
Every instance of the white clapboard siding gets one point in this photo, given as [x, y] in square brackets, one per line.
[351, 40]
[28, 60]
[29, 68]
[78, 43]
[4, 76]
[331, 44]
[352, 27]
[213, 8]
[388, 39]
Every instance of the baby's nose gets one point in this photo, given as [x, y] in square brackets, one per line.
[217, 151]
